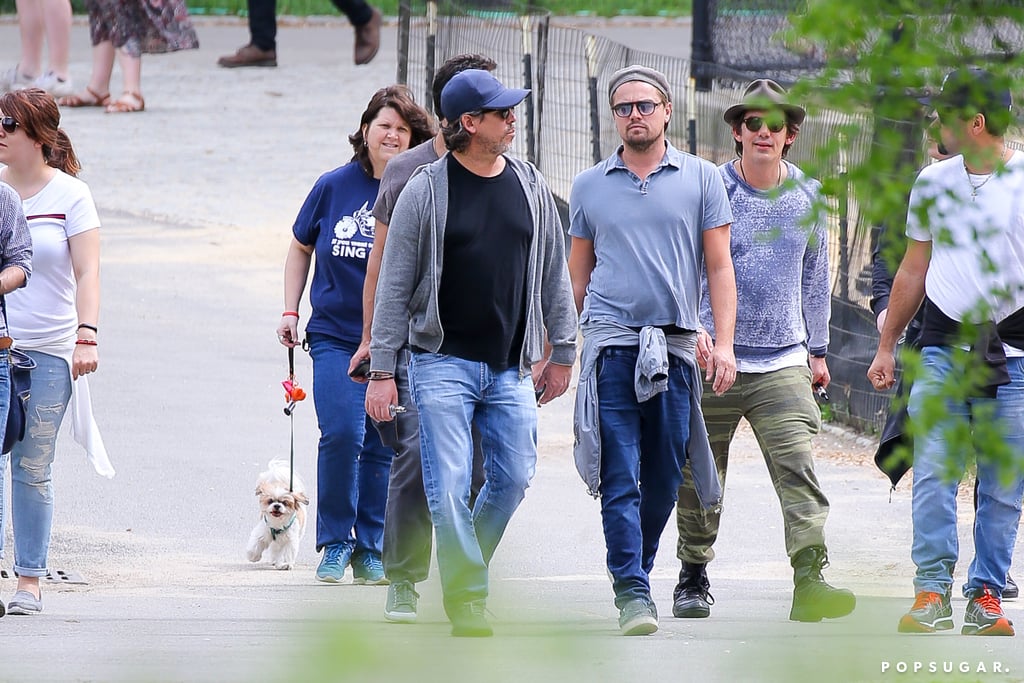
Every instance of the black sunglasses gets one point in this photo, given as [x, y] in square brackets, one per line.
[9, 124]
[754, 123]
[503, 113]
[625, 109]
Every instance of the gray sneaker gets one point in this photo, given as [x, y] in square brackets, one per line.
[401, 604]
[638, 617]
[24, 602]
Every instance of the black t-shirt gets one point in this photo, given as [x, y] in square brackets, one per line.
[483, 280]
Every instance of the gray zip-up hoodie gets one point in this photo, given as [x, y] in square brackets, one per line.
[413, 260]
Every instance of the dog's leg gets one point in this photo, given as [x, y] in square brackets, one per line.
[259, 539]
[287, 550]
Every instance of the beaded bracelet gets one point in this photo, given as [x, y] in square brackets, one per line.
[86, 342]
[294, 314]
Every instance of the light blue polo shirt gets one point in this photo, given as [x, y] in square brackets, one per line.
[648, 237]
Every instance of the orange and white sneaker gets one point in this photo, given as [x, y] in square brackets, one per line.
[985, 616]
[931, 612]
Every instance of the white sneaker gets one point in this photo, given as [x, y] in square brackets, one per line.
[12, 79]
[53, 85]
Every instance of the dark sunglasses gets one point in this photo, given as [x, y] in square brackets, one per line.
[9, 124]
[754, 123]
[502, 113]
[625, 109]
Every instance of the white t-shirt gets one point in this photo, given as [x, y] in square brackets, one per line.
[45, 308]
[977, 244]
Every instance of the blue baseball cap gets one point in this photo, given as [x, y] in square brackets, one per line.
[475, 89]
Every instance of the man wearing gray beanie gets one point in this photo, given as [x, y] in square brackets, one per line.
[643, 222]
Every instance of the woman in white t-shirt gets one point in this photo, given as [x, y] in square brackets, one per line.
[54, 319]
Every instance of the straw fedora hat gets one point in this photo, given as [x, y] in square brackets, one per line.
[764, 93]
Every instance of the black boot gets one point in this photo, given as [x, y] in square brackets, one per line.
[813, 599]
[1010, 591]
[691, 599]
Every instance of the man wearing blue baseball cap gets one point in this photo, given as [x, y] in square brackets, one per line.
[473, 275]
[965, 260]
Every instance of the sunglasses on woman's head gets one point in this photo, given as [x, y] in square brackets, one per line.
[754, 123]
[9, 124]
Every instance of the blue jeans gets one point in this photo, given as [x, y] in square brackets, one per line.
[32, 464]
[352, 463]
[937, 472]
[643, 450]
[451, 394]
[408, 531]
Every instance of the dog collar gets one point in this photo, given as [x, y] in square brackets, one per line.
[274, 533]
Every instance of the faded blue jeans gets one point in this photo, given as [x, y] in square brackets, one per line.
[352, 463]
[451, 394]
[32, 464]
[937, 472]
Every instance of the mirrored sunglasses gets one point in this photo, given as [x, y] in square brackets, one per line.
[754, 123]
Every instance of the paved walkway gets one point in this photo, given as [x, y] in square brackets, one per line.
[197, 195]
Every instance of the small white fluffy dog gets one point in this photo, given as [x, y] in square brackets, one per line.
[282, 522]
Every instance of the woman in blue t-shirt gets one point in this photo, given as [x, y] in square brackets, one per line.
[335, 223]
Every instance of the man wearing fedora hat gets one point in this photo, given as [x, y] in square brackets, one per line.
[642, 223]
[965, 260]
[472, 277]
[779, 248]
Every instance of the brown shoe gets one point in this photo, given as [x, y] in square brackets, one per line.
[249, 55]
[368, 39]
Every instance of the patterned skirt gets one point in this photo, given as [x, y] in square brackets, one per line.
[142, 26]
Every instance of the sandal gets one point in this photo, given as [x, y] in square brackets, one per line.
[128, 102]
[89, 98]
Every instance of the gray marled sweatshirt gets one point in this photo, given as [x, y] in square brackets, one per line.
[410, 274]
[780, 254]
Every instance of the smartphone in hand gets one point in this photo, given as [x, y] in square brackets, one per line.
[361, 370]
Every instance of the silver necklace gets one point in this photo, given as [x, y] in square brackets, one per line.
[975, 188]
[988, 177]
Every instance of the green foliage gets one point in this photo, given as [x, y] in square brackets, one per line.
[881, 55]
[353, 650]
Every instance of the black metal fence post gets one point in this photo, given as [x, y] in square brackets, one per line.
[542, 65]
[404, 17]
[701, 54]
[527, 27]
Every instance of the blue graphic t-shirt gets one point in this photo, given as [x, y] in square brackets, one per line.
[336, 220]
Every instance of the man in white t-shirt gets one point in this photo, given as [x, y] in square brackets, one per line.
[965, 260]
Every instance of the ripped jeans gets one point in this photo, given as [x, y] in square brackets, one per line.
[31, 466]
